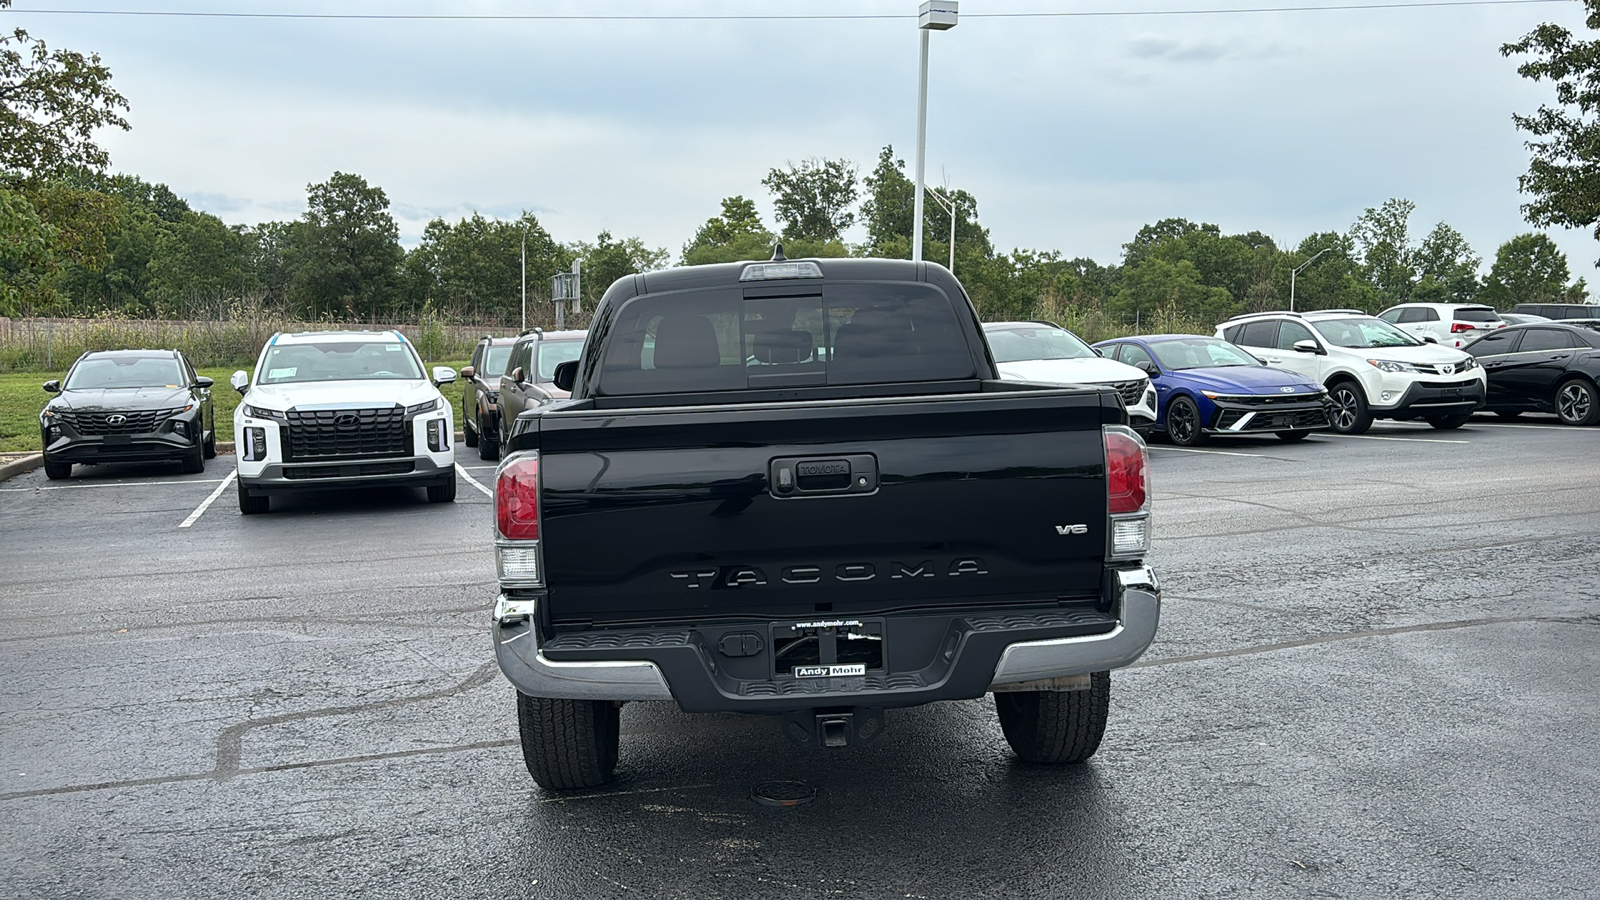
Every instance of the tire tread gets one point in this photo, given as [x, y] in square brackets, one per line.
[1056, 727]
[568, 744]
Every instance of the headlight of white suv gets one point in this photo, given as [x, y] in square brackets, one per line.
[1467, 365]
[259, 413]
[1391, 365]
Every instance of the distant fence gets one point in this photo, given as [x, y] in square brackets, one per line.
[49, 345]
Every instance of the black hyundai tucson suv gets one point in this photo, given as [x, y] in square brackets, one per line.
[128, 406]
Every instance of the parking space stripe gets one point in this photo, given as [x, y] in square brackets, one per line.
[1374, 437]
[1217, 452]
[74, 487]
[206, 504]
[473, 481]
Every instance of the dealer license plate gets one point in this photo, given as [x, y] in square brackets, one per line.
[843, 671]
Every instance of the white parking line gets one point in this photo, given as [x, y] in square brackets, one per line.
[74, 487]
[1216, 452]
[206, 503]
[1529, 425]
[1373, 437]
[473, 481]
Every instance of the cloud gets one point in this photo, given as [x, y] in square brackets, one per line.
[1193, 50]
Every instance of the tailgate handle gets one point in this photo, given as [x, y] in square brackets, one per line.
[815, 476]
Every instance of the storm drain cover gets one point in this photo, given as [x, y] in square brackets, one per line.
[783, 793]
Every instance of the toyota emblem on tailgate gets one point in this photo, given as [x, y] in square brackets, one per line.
[346, 420]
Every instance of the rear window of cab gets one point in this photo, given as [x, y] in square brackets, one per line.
[736, 339]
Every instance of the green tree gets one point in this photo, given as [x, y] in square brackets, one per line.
[1334, 281]
[608, 259]
[1563, 176]
[27, 249]
[889, 208]
[1529, 268]
[813, 199]
[1382, 238]
[51, 103]
[1160, 286]
[476, 264]
[737, 234]
[348, 254]
[1447, 269]
[199, 261]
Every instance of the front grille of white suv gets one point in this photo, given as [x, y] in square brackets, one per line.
[346, 433]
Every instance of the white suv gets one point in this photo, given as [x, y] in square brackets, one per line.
[1448, 324]
[1046, 353]
[1371, 368]
[340, 409]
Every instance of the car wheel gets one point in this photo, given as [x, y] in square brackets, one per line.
[1575, 403]
[1445, 423]
[1292, 436]
[1350, 414]
[443, 493]
[1056, 726]
[568, 744]
[196, 460]
[1183, 423]
[211, 446]
[469, 435]
[251, 504]
[57, 471]
[489, 446]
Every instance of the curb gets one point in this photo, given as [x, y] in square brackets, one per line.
[12, 467]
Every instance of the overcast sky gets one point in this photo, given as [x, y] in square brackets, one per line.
[1071, 132]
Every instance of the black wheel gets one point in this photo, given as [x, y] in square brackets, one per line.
[489, 447]
[469, 435]
[1183, 423]
[1056, 726]
[443, 493]
[1350, 414]
[196, 460]
[1445, 423]
[1575, 403]
[1292, 436]
[211, 445]
[568, 744]
[1508, 413]
[57, 471]
[251, 504]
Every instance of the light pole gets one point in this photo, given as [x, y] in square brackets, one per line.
[524, 281]
[951, 209]
[934, 15]
[1295, 273]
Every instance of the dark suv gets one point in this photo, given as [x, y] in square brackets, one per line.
[128, 406]
[480, 394]
[1559, 310]
[529, 380]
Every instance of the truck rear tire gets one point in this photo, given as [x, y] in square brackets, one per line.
[1056, 726]
[568, 744]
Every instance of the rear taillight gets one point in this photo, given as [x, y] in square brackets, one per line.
[1127, 494]
[1126, 470]
[516, 499]
[1462, 327]
[516, 514]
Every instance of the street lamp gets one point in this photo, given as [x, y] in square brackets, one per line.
[524, 280]
[951, 209]
[1295, 273]
[934, 15]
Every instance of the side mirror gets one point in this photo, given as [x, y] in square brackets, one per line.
[1430, 339]
[443, 375]
[201, 381]
[1097, 351]
[516, 375]
[1307, 347]
[467, 372]
[1146, 366]
[240, 381]
[566, 375]
[53, 387]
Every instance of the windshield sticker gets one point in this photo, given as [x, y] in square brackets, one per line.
[393, 348]
[282, 373]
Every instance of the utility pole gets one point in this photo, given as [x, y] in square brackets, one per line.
[934, 15]
[524, 282]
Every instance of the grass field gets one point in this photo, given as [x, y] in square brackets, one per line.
[21, 398]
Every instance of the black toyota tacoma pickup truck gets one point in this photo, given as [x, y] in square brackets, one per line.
[799, 488]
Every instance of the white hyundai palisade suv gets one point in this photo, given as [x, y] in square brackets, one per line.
[1046, 353]
[1371, 368]
[341, 409]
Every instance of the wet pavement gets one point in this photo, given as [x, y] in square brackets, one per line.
[1375, 677]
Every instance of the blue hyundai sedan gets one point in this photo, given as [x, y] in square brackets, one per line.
[1206, 386]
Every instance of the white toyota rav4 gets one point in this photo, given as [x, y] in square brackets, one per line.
[341, 409]
[1370, 368]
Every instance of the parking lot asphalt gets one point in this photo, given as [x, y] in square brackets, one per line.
[1375, 677]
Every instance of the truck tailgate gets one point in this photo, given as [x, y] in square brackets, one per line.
[848, 506]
